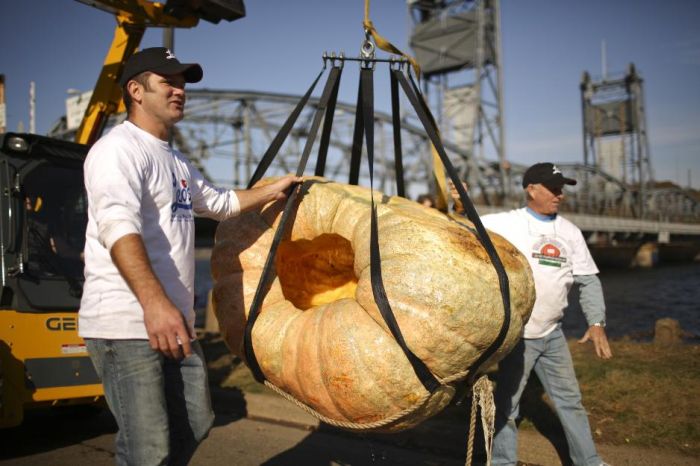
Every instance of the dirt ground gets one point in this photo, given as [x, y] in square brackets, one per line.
[263, 429]
[622, 398]
[643, 407]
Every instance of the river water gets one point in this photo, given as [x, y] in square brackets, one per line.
[635, 300]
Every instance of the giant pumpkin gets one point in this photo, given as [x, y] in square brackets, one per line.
[320, 337]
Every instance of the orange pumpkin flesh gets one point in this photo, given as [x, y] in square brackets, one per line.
[320, 336]
[317, 271]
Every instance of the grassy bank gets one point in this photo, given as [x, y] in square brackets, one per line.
[644, 396]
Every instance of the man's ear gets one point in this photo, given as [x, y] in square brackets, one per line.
[528, 191]
[135, 90]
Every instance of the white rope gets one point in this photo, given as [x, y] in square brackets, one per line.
[482, 396]
[347, 424]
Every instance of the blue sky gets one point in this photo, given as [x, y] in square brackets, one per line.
[60, 44]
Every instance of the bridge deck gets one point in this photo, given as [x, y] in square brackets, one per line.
[618, 224]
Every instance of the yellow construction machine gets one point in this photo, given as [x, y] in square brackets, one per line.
[43, 216]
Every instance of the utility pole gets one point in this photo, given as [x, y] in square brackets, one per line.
[3, 116]
[604, 60]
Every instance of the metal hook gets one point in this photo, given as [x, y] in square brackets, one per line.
[367, 53]
[367, 49]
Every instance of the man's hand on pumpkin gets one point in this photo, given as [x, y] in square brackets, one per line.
[250, 199]
[279, 188]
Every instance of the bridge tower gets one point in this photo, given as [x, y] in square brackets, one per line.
[460, 40]
[615, 135]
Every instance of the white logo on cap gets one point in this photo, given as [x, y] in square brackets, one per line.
[169, 54]
[555, 170]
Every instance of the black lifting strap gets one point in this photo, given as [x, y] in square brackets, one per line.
[279, 139]
[424, 375]
[266, 277]
[356, 153]
[326, 133]
[423, 112]
[396, 120]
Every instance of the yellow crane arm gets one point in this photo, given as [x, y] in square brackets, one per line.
[133, 17]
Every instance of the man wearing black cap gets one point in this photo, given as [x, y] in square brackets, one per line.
[559, 257]
[136, 313]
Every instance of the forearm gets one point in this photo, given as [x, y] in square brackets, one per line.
[251, 198]
[593, 307]
[129, 255]
[591, 298]
[165, 325]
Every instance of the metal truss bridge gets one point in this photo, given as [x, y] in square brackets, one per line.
[225, 133]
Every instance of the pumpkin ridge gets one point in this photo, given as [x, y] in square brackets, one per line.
[289, 364]
[321, 359]
[363, 369]
[310, 326]
[428, 353]
[355, 349]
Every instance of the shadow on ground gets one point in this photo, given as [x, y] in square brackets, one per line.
[48, 429]
[444, 435]
[228, 403]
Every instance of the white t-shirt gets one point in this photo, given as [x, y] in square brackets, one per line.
[556, 251]
[136, 183]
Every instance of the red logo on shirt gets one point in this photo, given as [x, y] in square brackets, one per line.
[184, 183]
[550, 250]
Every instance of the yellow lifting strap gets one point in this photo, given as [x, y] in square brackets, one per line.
[439, 179]
[384, 44]
[438, 167]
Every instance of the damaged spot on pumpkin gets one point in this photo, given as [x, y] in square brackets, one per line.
[318, 271]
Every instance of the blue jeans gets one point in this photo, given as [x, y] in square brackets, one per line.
[550, 358]
[162, 406]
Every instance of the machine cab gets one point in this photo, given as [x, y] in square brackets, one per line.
[44, 216]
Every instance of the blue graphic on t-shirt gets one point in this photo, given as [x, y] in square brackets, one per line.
[182, 196]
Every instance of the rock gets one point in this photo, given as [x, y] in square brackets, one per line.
[667, 332]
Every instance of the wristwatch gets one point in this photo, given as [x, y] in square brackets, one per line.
[599, 324]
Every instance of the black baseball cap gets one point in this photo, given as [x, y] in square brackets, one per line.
[162, 61]
[546, 173]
